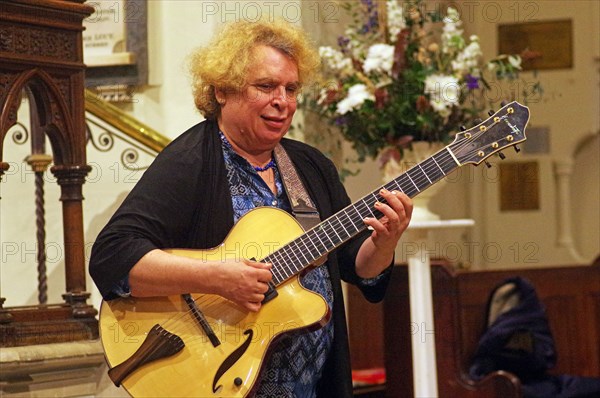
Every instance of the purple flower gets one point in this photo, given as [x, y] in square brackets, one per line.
[369, 4]
[343, 42]
[472, 82]
[340, 121]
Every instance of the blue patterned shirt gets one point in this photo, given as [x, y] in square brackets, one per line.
[297, 360]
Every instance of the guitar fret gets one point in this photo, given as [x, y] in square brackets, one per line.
[426, 176]
[312, 252]
[277, 264]
[320, 241]
[304, 241]
[290, 264]
[301, 251]
[436, 163]
[342, 224]
[398, 185]
[366, 205]
[408, 185]
[287, 263]
[429, 172]
[376, 199]
[351, 222]
[335, 230]
[359, 216]
[324, 230]
[276, 270]
[411, 180]
[328, 235]
[294, 252]
[291, 260]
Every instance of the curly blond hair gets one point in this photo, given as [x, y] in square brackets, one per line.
[224, 62]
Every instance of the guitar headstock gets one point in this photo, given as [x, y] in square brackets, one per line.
[503, 129]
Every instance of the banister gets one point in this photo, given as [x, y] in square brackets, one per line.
[125, 123]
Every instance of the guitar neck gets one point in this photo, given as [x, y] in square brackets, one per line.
[295, 256]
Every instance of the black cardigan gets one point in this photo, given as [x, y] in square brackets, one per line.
[183, 201]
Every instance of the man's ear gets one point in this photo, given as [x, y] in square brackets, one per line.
[220, 96]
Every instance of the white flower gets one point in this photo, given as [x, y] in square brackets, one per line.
[467, 59]
[440, 107]
[323, 94]
[444, 93]
[515, 61]
[451, 34]
[334, 59]
[380, 58]
[395, 19]
[357, 95]
[452, 17]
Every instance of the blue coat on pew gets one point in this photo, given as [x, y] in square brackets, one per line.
[518, 339]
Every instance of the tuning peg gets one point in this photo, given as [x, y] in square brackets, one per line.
[488, 164]
[501, 155]
[462, 128]
[491, 112]
[477, 121]
[503, 103]
[517, 149]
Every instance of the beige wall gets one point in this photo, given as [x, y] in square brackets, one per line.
[570, 109]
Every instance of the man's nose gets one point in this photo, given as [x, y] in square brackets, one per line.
[280, 96]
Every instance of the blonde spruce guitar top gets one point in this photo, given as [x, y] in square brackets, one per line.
[192, 372]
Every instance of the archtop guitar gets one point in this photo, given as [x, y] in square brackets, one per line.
[202, 345]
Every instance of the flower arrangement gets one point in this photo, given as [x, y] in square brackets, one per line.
[401, 75]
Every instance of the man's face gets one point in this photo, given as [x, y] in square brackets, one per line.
[260, 115]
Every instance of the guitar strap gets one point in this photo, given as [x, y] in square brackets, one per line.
[303, 207]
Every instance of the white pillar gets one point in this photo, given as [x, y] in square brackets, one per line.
[421, 306]
[563, 169]
[422, 326]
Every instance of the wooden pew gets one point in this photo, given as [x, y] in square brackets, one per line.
[571, 295]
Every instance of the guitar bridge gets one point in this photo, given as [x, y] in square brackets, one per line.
[201, 319]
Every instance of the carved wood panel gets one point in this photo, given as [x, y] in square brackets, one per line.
[41, 52]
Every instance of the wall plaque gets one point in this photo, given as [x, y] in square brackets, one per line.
[116, 48]
[542, 45]
[519, 186]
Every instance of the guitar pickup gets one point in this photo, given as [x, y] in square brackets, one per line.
[270, 294]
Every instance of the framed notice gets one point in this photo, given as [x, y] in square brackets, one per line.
[542, 45]
[115, 44]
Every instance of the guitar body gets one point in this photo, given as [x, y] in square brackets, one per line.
[200, 369]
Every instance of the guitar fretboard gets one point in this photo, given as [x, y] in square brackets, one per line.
[292, 258]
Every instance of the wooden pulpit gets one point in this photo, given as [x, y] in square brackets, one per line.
[41, 54]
